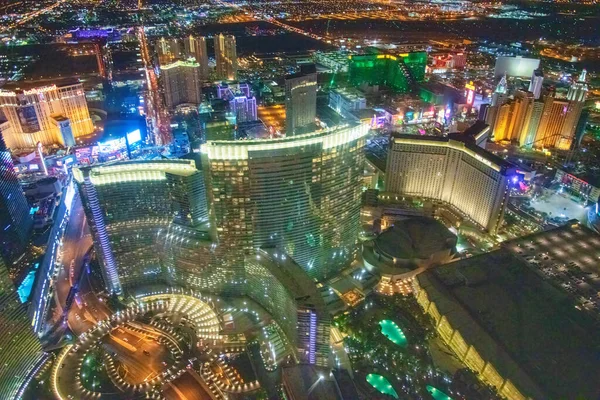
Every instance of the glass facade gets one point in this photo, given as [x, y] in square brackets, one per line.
[293, 300]
[300, 195]
[15, 220]
[399, 73]
[149, 223]
[20, 349]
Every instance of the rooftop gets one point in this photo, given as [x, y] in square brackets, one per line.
[293, 277]
[20, 86]
[568, 257]
[415, 238]
[525, 327]
[468, 147]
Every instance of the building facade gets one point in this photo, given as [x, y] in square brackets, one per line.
[300, 99]
[20, 350]
[292, 299]
[30, 114]
[195, 47]
[537, 83]
[345, 101]
[182, 83]
[463, 175]
[244, 108]
[226, 57]
[300, 195]
[15, 219]
[149, 224]
[168, 50]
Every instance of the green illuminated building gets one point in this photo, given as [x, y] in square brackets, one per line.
[400, 73]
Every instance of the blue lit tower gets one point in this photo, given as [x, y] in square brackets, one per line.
[15, 220]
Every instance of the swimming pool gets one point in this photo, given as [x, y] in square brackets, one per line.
[437, 394]
[382, 384]
[393, 332]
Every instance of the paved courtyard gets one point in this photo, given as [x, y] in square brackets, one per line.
[559, 205]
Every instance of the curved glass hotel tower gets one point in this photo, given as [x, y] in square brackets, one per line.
[299, 194]
[149, 224]
[262, 218]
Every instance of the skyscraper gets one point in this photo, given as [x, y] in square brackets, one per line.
[301, 100]
[182, 84]
[149, 224]
[500, 93]
[226, 57]
[456, 172]
[20, 348]
[168, 50]
[299, 195]
[519, 107]
[30, 113]
[578, 89]
[15, 220]
[551, 128]
[501, 122]
[244, 108]
[532, 122]
[242, 103]
[195, 47]
[536, 84]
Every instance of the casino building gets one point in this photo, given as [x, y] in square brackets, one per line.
[300, 195]
[54, 114]
[453, 171]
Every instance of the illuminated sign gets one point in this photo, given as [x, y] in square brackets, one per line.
[134, 136]
[470, 97]
[40, 90]
[470, 87]
[111, 146]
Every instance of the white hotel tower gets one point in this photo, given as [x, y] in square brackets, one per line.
[458, 173]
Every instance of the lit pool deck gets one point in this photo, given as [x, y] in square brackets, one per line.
[382, 384]
[437, 394]
[391, 331]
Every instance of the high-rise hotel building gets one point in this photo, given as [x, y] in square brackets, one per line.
[38, 115]
[300, 100]
[226, 57]
[149, 224]
[195, 47]
[461, 174]
[15, 220]
[182, 83]
[299, 194]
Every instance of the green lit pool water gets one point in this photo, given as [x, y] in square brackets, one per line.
[437, 394]
[382, 384]
[393, 332]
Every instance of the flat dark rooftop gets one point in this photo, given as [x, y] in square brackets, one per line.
[533, 324]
